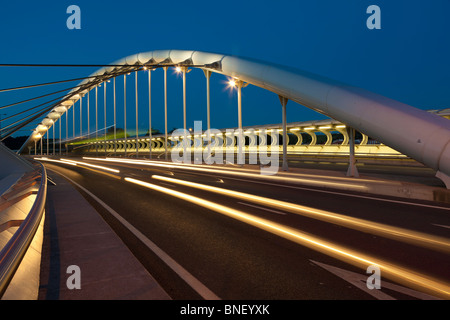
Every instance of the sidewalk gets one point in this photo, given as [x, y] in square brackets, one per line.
[75, 234]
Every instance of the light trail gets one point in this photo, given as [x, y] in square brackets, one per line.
[417, 238]
[91, 165]
[54, 160]
[395, 273]
[349, 186]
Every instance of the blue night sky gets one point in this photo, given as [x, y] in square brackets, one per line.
[406, 60]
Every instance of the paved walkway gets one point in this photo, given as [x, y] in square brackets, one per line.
[76, 235]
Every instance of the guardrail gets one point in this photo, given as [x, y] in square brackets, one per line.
[13, 252]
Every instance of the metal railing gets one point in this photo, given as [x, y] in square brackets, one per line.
[12, 254]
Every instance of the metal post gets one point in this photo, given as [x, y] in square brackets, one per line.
[88, 116]
[208, 114]
[67, 127]
[81, 116]
[59, 138]
[73, 121]
[352, 170]
[150, 113]
[41, 143]
[165, 112]
[114, 105]
[185, 156]
[137, 113]
[96, 120]
[240, 134]
[104, 111]
[184, 70]
[54, 153]
[284, 101]
[125, 110]
[47, 142]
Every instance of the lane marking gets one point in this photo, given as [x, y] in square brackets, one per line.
[359, 281]
[262, 208]
[441, 225]
[193, 282]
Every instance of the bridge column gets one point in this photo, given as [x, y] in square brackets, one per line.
[67, 128]
[352, 170]
[81, 115]
[104, 111]
[284, 101]
[165, 113]
[240, 84]
[59, 138]
[73, 121]
[96, 120]
[114, 111]
[150, 113]
[125, 111]
[185, 156]
[208, 114]
[54, 150]
[137, 113]
[88, 116]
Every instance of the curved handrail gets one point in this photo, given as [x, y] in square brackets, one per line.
[14, 251]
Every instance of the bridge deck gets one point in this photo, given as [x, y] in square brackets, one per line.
[75, 234]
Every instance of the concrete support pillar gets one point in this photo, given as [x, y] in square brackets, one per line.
[352, 170]
[284, 101]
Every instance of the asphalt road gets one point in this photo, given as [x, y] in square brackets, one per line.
[239, 261]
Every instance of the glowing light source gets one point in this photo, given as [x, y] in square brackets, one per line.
[232, 83]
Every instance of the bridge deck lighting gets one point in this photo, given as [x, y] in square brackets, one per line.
[232, 83]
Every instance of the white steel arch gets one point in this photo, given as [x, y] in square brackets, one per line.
[416, 133]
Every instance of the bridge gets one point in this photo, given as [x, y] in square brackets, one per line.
[174, 169]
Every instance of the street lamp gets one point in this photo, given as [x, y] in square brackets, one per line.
[239, 84]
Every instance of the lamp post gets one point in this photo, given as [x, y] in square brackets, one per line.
[114, 106]
[150, 113]
[208, 113]
[137, 113]
[165, 113]
[239, 84]
[104, 111]
[125, 110]
[284, 101]
[184, 70]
